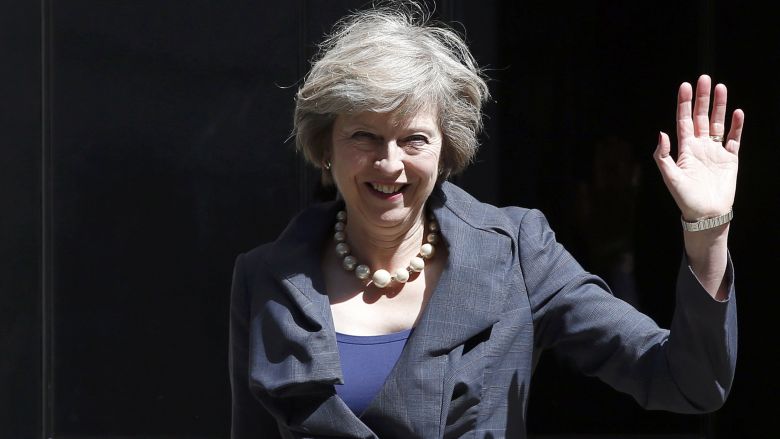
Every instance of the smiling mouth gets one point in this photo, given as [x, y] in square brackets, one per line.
[387, 189]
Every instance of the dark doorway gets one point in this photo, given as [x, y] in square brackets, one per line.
[146, 145]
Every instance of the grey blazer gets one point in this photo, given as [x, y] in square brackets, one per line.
[508, 291]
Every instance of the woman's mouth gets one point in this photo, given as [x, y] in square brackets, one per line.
[387, 190]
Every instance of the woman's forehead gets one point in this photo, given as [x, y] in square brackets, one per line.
[422, 118]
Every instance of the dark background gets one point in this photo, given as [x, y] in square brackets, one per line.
[145, 144]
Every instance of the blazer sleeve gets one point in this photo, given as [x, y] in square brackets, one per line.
[249, 419]
[688, 369]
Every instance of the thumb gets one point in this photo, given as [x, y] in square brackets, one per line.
[663, 158]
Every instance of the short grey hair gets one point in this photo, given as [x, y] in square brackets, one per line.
[392, 58]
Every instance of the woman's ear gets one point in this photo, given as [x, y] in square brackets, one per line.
[326, 177]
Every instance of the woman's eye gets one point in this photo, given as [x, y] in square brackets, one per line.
[417, 140]
[363, 135]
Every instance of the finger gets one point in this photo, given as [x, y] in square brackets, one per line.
[684, 122]
[701, 108]
[717, 123]
[663, 159]
[735, 133]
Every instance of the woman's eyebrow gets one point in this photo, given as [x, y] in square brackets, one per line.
[358, 123]
[423, 129]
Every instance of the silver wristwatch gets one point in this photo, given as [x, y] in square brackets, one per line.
[707, 223]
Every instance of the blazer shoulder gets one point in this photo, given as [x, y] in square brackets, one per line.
[251, 261]
[529, 222]
[256, 255]
[533, 231]
[298, 240]
[250, 270]
[481, 215]
[516, 214]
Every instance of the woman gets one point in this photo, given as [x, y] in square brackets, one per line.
[409, 309]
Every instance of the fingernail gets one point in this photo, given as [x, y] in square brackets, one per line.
[659, 137]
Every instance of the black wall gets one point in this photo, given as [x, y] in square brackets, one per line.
[145, 144]
[20, 221]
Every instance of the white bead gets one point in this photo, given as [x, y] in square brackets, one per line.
[381, 278]
[341, 216]
[426, 251]
[417, 263]
[433, 238]
[433, 226]
[362, 271]
[401, 275]
[339, 236]
[342, 249]
[349, 263]
[339, 226]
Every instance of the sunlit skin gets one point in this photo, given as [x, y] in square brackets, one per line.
[703, 178]
[383, 230]
[381, 148]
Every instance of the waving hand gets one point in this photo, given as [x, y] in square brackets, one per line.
[703, 179]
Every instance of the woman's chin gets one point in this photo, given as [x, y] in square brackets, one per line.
[393, 217]
[390, 217]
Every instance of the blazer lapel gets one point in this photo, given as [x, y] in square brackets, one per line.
[293, 352]
[467, 301]
[299, 320]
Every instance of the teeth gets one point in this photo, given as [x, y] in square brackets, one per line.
[387, 188]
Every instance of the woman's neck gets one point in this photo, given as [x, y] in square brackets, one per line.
[390, 248]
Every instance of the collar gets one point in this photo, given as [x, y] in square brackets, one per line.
[468, 300]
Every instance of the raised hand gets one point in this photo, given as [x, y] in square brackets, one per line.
[703, 179]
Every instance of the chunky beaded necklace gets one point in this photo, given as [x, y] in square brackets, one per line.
[382, 278]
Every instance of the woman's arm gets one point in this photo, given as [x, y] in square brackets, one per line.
[691, 367]
[703, 179]
[708, 257]
[687, 370]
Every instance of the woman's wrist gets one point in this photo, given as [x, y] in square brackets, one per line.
[707, 252]
[706, 222]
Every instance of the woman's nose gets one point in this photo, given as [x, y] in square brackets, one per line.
[390, 160]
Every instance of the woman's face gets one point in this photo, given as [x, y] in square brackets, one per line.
[385, 166]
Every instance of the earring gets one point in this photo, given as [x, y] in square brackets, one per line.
[327, 165]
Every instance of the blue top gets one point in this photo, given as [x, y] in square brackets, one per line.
[366, 361]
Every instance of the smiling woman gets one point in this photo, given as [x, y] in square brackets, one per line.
[381, 61]
[385, 168]
[407, 308]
